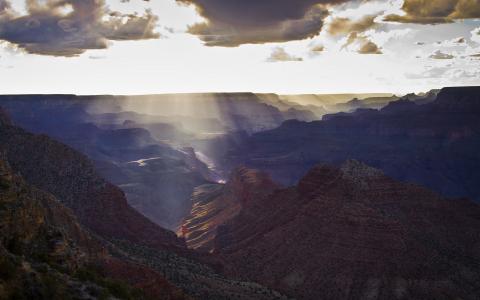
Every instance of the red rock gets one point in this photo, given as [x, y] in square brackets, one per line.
[216, 204]
[353, 233]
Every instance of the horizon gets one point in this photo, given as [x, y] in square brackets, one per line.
[234, 93]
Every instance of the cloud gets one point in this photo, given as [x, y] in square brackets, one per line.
[369, 47]
[475, 35]
[230, 23]
[456, 42]
[365, 45]
[436, 11]
[280, 55]
[432, 72]
[344, 26]
[448, 74]
[352, 37]
[317, 49]
[386, 36]
[435, 72]
[97, 57]
[70, 27]
[440, 55]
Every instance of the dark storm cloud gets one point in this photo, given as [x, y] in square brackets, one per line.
[70, 27]
[234, 22]
[437, 11]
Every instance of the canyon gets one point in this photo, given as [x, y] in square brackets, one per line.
[246, 196]
[353, 233]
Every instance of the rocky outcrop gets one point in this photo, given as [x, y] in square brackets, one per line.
[216, 204]
[248, 184]
[354, 233]
[210, 208]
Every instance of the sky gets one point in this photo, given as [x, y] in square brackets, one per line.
[281, 46]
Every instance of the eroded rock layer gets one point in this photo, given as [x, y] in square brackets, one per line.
[354, 233]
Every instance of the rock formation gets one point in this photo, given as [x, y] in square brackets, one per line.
[354, 233]
[216, 204]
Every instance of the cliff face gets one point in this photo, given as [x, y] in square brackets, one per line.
[434, 144]
[354, 233]
[214, 205]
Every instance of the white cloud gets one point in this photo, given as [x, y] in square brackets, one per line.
[475, 35]
[280, 55]
[455, 42]
[383, 37]
[441, 55]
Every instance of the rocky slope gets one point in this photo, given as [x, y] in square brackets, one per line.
[46, 254]
[354, 233]
[196, 279]
[214, 205]
[433, 144]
